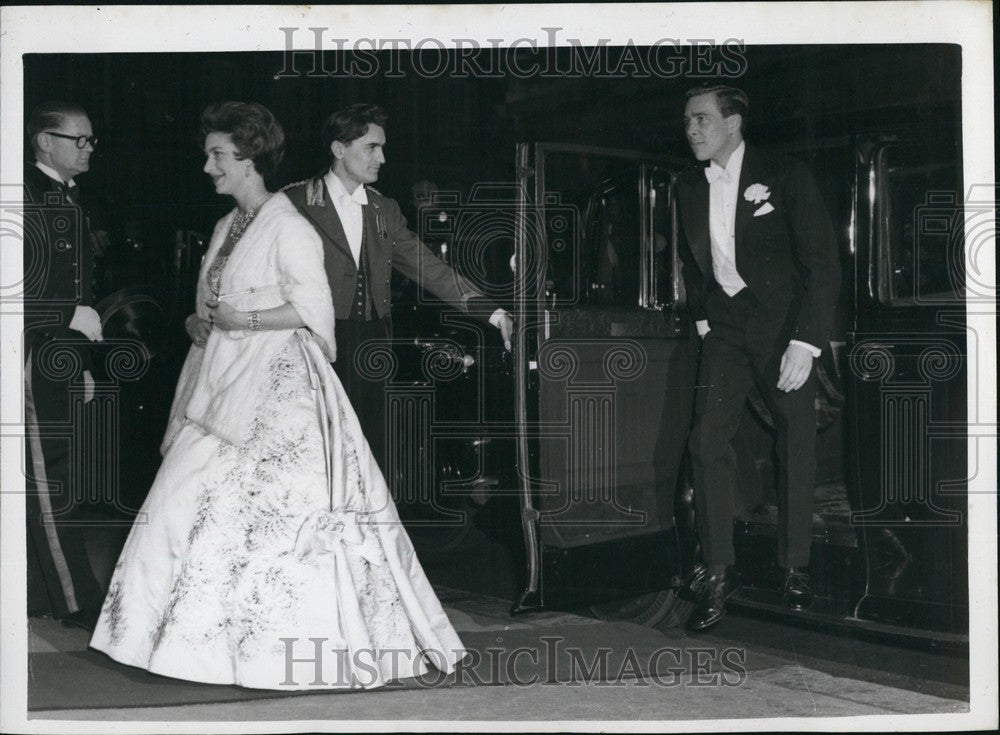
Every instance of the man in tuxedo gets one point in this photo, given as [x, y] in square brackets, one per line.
[762, 276]
[60, 323]
[365, 236]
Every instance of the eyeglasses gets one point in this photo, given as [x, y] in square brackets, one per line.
[81, 140]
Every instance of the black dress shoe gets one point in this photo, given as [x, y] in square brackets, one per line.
[85, 619]
[711, 608]
[693, 586]
[797, 593]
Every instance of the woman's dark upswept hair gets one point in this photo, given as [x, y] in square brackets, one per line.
[253, 130]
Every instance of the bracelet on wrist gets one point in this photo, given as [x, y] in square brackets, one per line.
[253, 321]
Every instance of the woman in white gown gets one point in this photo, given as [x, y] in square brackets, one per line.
[268, 553]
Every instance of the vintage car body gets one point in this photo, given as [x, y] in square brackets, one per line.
[586, 423]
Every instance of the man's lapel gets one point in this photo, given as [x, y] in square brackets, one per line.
[375, 232]
[697, 222]
[750, 173]
[325, 217]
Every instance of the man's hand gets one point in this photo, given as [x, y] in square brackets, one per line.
[198, 329]
[506, 327]
[224, 316]
[86, 321]
[796, 364]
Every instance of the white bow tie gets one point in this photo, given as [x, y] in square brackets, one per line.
[716, 173]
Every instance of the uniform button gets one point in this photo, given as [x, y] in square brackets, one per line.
[385, 301]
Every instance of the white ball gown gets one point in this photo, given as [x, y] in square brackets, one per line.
[278, 560]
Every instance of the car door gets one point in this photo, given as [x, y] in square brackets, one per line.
[608, 372]
[908, 382]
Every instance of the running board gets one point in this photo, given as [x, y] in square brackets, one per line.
[756, 603]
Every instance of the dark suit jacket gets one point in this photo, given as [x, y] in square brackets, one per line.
[389, 244]
[787, 257]
[58, 263]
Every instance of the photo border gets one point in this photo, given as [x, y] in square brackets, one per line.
[119, 29]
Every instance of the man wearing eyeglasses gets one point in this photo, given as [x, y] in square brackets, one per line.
[60, 324]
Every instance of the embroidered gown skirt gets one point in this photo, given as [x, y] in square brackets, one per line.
[240, 570]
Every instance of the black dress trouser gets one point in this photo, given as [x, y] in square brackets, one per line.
[363, 365]
[57, 556]
[743, 348]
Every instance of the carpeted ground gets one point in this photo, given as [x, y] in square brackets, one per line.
[605, 652]
[558, 666]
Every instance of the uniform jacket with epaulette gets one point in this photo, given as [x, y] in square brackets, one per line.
[389, 244]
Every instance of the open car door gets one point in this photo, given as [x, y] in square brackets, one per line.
[606, 370]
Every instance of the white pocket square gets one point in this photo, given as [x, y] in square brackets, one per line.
[767, 208]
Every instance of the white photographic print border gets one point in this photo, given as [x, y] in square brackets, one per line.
[187, 29]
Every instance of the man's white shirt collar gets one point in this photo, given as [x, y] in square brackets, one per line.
[735, 163]
[338, 191]
[52, 174]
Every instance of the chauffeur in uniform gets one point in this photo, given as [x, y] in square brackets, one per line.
[59, 325]
[364, 237]
[762, 277]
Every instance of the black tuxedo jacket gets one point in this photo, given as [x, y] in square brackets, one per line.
[58, 263]
[786, 254]
[389, 244]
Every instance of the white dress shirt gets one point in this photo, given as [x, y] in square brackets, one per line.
[724, 185]
[349, 209]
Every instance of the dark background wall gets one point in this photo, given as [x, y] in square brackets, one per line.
[146, 181]
[457, 131]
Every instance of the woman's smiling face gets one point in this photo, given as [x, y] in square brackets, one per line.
[228, 172]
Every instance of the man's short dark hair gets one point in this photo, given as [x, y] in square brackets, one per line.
[50, 115]
[732, 101]
[253, 130]
[352, 123]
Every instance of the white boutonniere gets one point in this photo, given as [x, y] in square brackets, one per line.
[757, 193]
